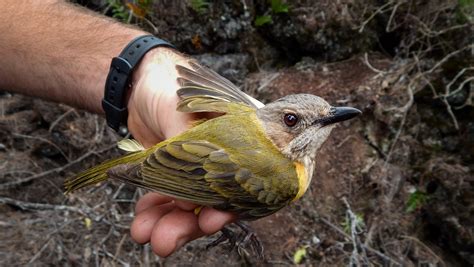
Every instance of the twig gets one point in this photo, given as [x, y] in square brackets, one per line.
[372, 68]
[42, 140]
[344, 140]
[447, 91]
[370, 249]
[416, 240]
[41, 206]
[54, 123]
[43, 248]
[155, 29]
[267, 81]
[55, 170]
[448, 56]
[468, 99]
[404, 110]
[378, 11]
[119, 246]
[49, 237]
[444, 97]
[461, 86]
[392, 15]
[123, 263]
[356, 258]
[450, 112]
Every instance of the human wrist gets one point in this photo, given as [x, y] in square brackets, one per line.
[98, 84]
[153, 98]
[119, 78]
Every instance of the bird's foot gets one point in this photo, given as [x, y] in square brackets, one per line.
[241, 240]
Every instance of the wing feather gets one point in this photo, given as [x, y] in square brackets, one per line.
[203, 173]
[202, 90]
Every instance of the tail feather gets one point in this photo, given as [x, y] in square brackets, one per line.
[98, 173]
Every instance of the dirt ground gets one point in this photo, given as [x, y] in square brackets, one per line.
[393, 187]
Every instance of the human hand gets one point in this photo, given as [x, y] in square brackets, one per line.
[164, 222]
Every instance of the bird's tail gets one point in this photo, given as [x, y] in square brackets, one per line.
[99, 173]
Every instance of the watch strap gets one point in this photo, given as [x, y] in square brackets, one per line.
[119, 78]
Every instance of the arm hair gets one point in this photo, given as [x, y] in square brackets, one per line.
[58, 51]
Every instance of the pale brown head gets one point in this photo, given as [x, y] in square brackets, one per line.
[299, 124]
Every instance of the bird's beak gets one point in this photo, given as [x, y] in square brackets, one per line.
[338, 114]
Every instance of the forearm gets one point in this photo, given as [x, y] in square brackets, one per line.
[57, 51]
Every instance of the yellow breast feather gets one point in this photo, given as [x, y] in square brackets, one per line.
[303, 181]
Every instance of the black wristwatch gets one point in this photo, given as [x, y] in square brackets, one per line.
[118, 79]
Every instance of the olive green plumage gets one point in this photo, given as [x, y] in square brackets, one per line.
[229, 172]
[252, 160]
[222, 162]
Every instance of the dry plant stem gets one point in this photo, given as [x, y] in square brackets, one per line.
[416, 240]
[461, 86]
[367, 63]
[41, 206]
[448, 91]
[267, 81]
[112, 256]
[43, 140]
[469, 99]
[17, 182]
[348, 237]
[447, 57]
[356, 259]
[410, 90]
[380, 10]
[49, 237]
[36, 256]
[444, 97]
[54, 123]
[392, 15]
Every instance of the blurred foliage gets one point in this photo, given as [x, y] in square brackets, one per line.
[276, 7]
[416, 200]
[126, 10]
[200, 6]
[262, 20]
[466, 11]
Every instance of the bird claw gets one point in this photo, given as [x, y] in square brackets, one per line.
[246, 238]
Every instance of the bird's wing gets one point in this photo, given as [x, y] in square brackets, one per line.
[203, 90]
[202, 173]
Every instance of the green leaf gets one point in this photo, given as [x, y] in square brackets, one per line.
[416, 200]
[200, 6]
[299, 255]
[465, 11]
[279, 7]
[466, 3]
[262, 20]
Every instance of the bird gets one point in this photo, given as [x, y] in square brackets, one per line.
[252, 160]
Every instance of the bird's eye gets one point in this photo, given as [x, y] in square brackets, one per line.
[290, 119]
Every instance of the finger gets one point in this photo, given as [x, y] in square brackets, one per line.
[151, 199]
[185, 205]
[144, 222]
[173, 231]
[211, 220]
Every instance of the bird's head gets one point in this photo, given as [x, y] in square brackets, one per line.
[299, 124]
